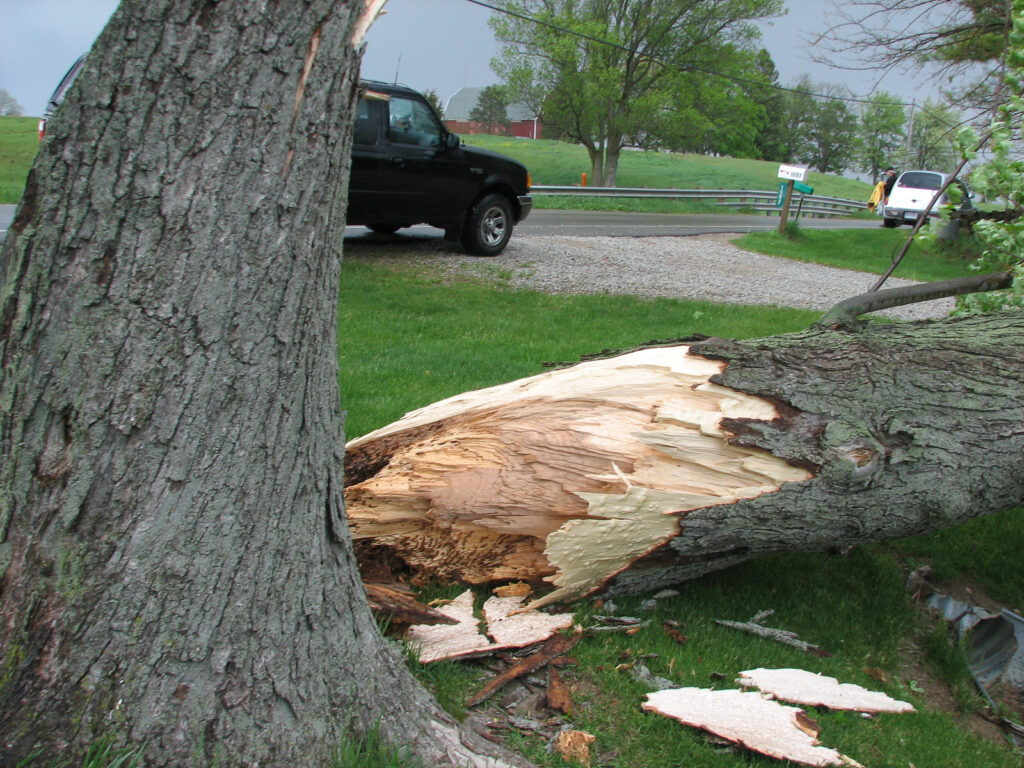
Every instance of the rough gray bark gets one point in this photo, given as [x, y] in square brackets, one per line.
[175, 568]
[908, 427]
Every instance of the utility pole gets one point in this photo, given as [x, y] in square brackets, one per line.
[910, 134]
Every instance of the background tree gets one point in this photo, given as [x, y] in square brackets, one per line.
[175, 566]
[932, 140]
[491, 108]
[708, 115]
[435, 101]
[828, 128]
[957, 42]
[9, 106]
[601, 69]
[796, 114]
[770, 140]
[882, 135]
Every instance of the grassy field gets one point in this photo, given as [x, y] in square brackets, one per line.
[18, 143]
[866, 250]
[557, 163]
[411, 337]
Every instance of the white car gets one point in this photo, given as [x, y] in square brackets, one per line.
[912, 194]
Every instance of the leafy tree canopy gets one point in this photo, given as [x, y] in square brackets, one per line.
[602, 72]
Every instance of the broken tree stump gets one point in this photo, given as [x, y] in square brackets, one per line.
[665, 463]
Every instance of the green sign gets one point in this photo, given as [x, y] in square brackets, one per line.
[780, 196]
[800, 187]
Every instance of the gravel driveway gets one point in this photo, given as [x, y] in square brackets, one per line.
[706, 267]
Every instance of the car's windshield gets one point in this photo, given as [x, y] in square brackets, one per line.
[920, 180]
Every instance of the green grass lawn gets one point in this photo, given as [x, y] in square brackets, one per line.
[867, 250]
[19, 141]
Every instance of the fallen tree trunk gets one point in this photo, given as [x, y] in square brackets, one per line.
[669, 462]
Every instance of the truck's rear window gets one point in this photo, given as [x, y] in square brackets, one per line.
[920, 180]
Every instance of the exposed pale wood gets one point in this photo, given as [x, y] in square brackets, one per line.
[569, 476]
[748, 719]
[798, 686]
[463, 638]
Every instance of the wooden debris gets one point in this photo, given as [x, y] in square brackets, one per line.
[515, 589]
[448, 642]
[802, 687]
[574, 746]
[464, 639]
[643, 675]
[511, 628]
[401, 609]
[555, 646]
[569, 476]
[783, 636]
[748, 719]
[558, 695]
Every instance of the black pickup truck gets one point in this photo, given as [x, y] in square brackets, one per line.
[408, 169]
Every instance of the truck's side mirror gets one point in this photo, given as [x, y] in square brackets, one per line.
[452, 141]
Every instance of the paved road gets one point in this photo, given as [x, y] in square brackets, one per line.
[614, 224]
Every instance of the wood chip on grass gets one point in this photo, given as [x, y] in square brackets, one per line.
[750, 720]
[799, 686]
[464, 639]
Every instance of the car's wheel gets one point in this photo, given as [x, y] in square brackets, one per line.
[891, 223]
[384, 229]
[488, 227]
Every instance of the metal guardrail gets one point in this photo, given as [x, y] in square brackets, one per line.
[757, 199]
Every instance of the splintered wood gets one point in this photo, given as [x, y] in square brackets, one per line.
[802, 687]
[747, 718]
[569, 476]
[464, 639]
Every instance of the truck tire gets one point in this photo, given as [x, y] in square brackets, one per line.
[488, 226]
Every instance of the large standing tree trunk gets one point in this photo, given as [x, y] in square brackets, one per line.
[175, 564]
[660, 465]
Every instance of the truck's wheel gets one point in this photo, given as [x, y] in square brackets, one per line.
[488, 227]
[891, 223]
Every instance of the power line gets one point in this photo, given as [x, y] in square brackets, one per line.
[658, 59]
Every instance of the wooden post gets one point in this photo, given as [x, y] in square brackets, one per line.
[785, 207]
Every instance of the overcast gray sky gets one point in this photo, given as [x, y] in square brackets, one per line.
[442, 45]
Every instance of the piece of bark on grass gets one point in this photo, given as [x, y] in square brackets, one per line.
[558, 695]
[400, 609]
[746, 718]
[784, 636]
[574, 746]
[666, 463]
[553, 647]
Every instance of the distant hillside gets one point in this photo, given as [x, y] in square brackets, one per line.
[558, 163]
